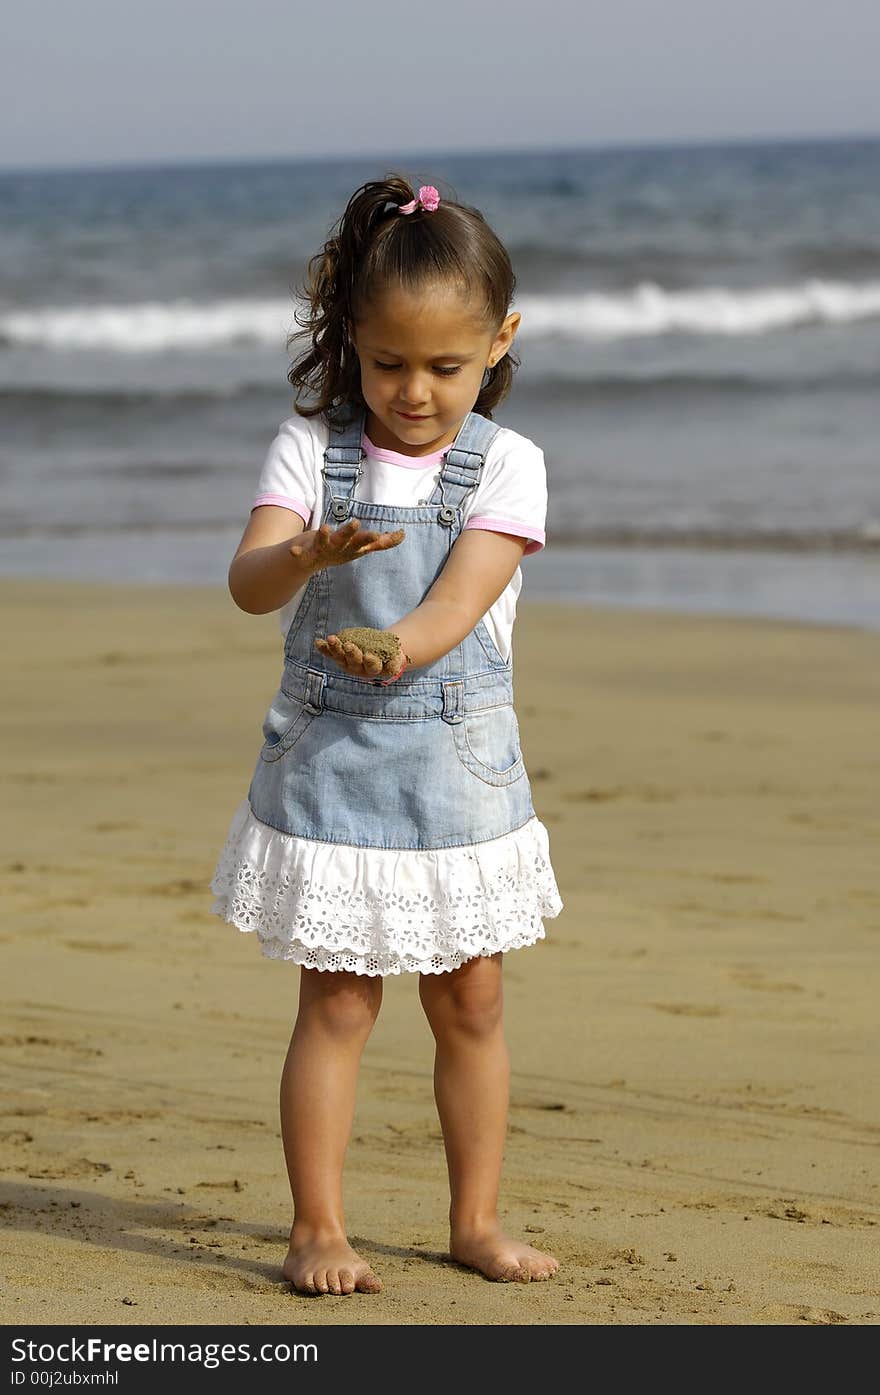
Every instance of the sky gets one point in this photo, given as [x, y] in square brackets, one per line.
[105, 82]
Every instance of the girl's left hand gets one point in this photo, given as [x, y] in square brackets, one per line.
[358, 662]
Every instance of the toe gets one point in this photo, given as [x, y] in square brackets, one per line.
[367, 1282]
[346, 1280]
[321, 1284]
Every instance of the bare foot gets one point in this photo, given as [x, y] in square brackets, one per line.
[498, 1257]
[326, 1263]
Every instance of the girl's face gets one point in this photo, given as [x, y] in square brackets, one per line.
[422, 361]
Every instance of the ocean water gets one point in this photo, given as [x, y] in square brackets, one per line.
[700, 361]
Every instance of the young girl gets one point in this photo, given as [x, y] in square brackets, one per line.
[389, 826]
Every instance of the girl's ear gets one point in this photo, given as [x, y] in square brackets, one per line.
[504, 337]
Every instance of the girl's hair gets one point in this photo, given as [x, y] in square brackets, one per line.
[373, 247]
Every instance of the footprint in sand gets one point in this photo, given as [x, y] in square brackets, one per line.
[76, 1167]
[754, 979]
[593, 796]
[185, 886]
[53, 1044]
[790, 1312]
[688, 1009]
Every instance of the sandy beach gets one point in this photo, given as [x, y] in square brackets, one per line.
[694, 1119]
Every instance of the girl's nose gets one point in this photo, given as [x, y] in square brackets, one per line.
[413, 391]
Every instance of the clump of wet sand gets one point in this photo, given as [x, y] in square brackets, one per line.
[382, 643]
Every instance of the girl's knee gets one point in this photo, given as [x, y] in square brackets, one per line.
[467, 1001]
[343, 1004]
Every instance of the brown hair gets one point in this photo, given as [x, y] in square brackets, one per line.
[373, 246]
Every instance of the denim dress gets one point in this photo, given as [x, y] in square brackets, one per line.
[388, 828]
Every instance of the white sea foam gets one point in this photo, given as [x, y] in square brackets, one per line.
[151, 327]
[650, 310]
[645, 310]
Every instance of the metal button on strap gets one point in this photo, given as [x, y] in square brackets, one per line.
[446, 516]
[340, 509]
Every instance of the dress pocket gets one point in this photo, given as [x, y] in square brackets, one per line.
[284, 724]
[487, 743]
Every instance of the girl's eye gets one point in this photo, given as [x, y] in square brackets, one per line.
[445, 372]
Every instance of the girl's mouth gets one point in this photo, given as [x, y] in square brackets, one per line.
[411, 416]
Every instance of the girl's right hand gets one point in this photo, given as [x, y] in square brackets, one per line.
[321, 547]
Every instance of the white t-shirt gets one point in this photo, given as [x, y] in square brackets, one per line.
[510, 498]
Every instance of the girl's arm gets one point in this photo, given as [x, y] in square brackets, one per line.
[263, 575]
[480, 566]
[277, 555]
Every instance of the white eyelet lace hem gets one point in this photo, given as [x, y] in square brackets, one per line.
[384, 911]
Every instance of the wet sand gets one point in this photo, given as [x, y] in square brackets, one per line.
[694, 1120]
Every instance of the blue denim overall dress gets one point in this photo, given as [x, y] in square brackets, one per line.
[416, 774]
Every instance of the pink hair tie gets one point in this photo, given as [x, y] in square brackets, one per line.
[427, 197]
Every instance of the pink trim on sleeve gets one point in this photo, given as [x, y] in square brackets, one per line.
[283, 502]
[512, 525]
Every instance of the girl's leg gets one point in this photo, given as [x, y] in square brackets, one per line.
[318, 1087]
[471, 1086]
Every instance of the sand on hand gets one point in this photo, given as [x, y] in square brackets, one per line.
[382, 643]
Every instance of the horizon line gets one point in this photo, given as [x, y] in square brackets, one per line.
[414, 156]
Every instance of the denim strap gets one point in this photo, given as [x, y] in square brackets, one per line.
[460, 472]
[343, 459]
